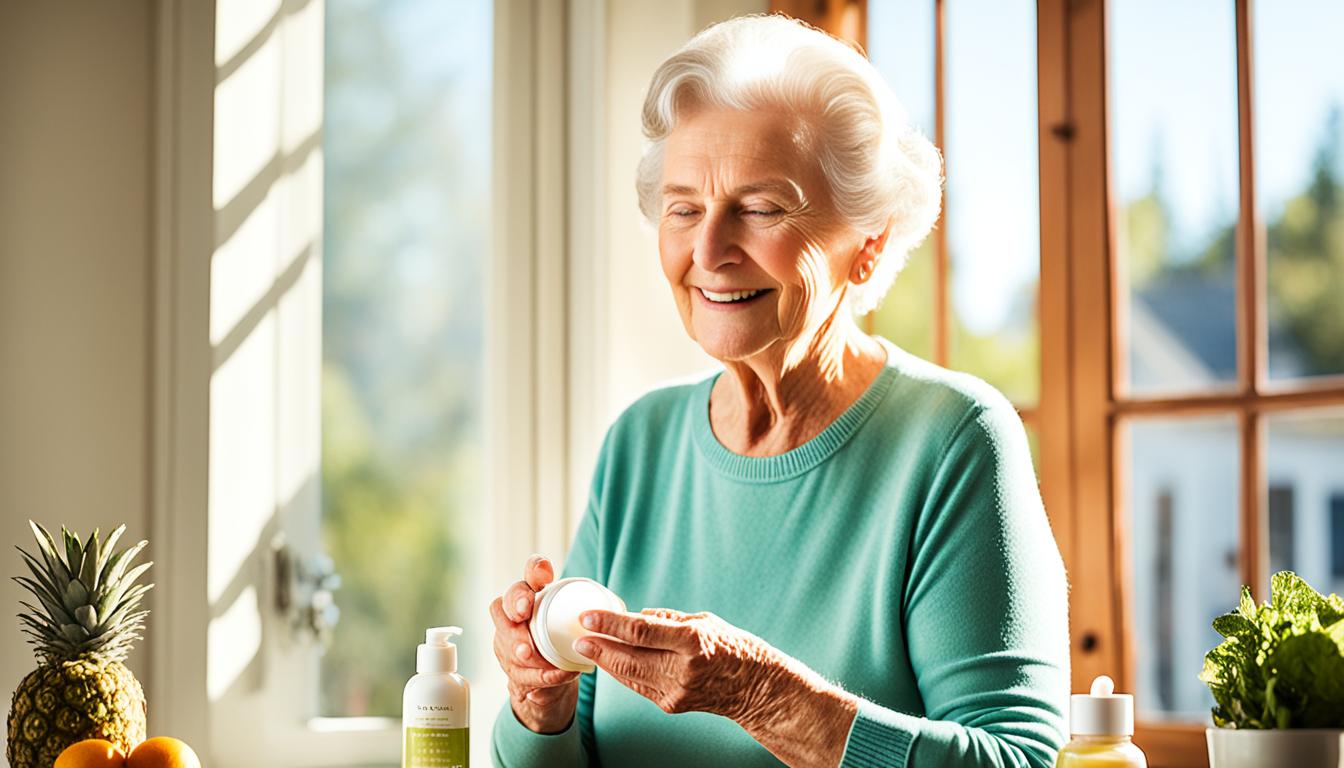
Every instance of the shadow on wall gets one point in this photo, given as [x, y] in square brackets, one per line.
[265, 336]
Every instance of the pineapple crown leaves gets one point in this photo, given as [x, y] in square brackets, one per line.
[89, 598]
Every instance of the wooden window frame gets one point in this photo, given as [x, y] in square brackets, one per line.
[1253, 397]
[1084, 402]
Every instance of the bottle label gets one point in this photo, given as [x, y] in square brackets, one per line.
[435, 748]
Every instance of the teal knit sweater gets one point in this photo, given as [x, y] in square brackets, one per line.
[903, 553]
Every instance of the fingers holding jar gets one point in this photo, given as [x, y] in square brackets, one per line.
[543, 697]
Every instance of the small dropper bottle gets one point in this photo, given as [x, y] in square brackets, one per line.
[1102, 723]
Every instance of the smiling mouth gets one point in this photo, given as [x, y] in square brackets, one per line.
[733, 297]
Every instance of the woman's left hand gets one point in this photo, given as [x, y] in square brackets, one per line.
[685, 662]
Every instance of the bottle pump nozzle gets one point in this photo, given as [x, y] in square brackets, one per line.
[437, 655]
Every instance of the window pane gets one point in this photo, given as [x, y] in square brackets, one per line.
[1299, 172]
[1183, 528]
[901, 46]
[993, 204]
[1304, 454]
[901, 43]
[905, 316]
[407, 142]
[1173, 77]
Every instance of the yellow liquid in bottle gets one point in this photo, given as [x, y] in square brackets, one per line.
[1101, 752]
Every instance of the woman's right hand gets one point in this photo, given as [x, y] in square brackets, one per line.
[543, 696]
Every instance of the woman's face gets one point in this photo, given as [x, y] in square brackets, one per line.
[749, 239]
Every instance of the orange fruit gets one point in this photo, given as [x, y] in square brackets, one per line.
[163, 752]
[91, 753]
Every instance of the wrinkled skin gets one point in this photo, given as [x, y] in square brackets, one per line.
[746, 207]
[684, 662]
[681, 662]
[543, 696]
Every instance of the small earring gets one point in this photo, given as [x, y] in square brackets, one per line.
[864, 269]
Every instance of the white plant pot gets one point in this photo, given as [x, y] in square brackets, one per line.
[1288, 748]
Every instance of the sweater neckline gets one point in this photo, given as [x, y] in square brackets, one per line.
[790, 464]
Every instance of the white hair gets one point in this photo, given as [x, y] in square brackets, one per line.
[878, 167]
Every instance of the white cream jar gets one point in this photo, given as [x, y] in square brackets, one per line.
[555, 619]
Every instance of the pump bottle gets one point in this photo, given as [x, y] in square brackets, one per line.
[435, 706]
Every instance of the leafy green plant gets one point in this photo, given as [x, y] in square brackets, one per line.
[1282, 663]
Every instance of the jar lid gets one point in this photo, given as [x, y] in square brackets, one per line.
[555, 619]
[1102, 712]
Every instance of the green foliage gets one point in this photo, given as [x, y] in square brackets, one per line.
[406, 215]
[1281, 664]
[1306, 261]
[1147, 223]
[905, 316]
[400, 552]
[1008, 358]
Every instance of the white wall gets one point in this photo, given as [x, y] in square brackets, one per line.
[75, 120]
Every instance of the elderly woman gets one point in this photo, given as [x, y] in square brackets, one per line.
[841, 547]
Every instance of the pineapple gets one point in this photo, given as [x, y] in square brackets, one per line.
[90, 616]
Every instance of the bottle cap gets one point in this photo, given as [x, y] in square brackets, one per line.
[1103, 712]
[437, 655]
[555, 619]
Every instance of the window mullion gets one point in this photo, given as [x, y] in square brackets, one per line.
[1251, 342]
[1098, 539]
[1250, 241]
[1053, 414]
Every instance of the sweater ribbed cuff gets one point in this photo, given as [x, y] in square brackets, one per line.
[879, 738]
[515, 746]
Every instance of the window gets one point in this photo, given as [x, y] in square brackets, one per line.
[1183, 537]
[281, 297]
[1092, 335]
[1164, 613]
[967, 298]
[1191, 349]
[1337, 537]
[1304, 451]
[1281, 538]
[902, 40]
[1215, 214]
[406, 245]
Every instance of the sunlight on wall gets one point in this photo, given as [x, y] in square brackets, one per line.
[301, 203]
[244, 267]
[238, 22]
[242, 456]
[300, 389]
[265, 332]
[247, 121]
[301, 37]
[234, 641]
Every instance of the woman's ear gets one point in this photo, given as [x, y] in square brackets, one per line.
[865, 261]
